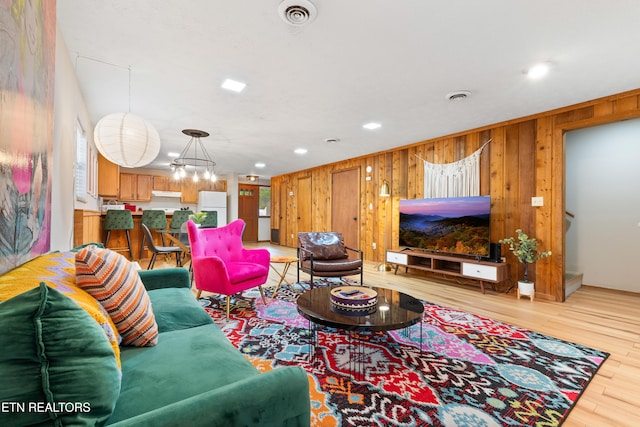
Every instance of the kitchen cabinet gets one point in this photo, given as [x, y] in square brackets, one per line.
[135, 188]
[189, 191]
[108, 178]
[207, 185]
[166, 183]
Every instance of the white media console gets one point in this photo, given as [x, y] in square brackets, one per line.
[452, 265]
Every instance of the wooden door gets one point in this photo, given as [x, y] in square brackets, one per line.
[303, 206]
[345, 205]
[248, 203]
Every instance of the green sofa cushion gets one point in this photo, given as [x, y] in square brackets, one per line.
[185, 363]
[59, 359]
[177, 308]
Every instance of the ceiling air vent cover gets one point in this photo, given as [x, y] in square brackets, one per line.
[297, 12]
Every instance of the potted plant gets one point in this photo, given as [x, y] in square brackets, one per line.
[525, 248]
[198, 217]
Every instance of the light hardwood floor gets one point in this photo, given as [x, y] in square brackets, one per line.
[599, 318]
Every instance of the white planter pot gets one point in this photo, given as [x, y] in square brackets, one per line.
[526, 289]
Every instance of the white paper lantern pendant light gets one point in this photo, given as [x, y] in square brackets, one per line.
[127, 140]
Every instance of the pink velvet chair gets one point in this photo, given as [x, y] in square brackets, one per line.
[220, 262]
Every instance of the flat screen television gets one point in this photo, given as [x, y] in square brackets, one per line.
[458, 225]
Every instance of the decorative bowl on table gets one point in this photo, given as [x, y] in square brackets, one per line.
[354, 300]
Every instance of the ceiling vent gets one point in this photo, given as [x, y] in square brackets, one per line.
[297, 12]
[459, 95]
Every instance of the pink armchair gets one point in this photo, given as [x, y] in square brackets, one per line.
[220, 262]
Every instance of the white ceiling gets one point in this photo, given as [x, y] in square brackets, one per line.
[360, 60]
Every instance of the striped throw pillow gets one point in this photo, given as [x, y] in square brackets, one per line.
[113, 281]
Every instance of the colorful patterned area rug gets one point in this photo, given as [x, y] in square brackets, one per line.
[465, 370]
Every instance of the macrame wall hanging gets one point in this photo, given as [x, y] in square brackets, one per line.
[457, 179]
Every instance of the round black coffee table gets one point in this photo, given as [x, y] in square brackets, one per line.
[395, 310]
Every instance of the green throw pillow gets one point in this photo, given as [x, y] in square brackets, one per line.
[56, 364]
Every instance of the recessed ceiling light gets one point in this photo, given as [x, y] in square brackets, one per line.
[233, 85]
[260, 165]
[172, 154]
[371, 125]
[300, 151]
[538, 70]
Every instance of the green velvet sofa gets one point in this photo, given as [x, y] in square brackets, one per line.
[192, 377]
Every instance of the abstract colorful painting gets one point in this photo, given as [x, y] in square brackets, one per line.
[27, 72]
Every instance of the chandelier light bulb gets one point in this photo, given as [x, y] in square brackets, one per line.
[213, 177]
[207, 175]
[183, 173]
[176, 174]
[195, 177]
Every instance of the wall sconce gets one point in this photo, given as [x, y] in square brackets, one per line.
[385, 190]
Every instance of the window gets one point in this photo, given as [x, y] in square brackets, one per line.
[264, 204]
[81, 164]
[86, 166]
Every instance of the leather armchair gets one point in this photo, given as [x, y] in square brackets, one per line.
[324, 254]
[222, 265]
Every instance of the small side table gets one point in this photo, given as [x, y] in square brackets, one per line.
[287, 261]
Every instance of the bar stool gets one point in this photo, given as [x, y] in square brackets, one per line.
[211, 220]
[154, 219]
[179, 218]
[118, 220]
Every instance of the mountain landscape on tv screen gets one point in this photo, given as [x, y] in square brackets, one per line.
[463, 235]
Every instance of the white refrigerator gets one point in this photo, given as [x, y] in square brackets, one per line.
[214, 201]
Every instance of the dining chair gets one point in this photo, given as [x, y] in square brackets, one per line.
[154, 219]
[161, 250]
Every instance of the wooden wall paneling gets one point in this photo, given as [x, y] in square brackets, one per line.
[379, 224]
[399, 168]
[398, 191]
[284, 212]
[87, 227]
[387, 163]
[513, 203]
[448, 151]
[485, 161]
[460, 146]
[413, 163]
[543, 224]
[366, 215]
[557, 206]
[524, 139]
[292, 221]
[499, 185]
[320, 187]
[526, 152]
